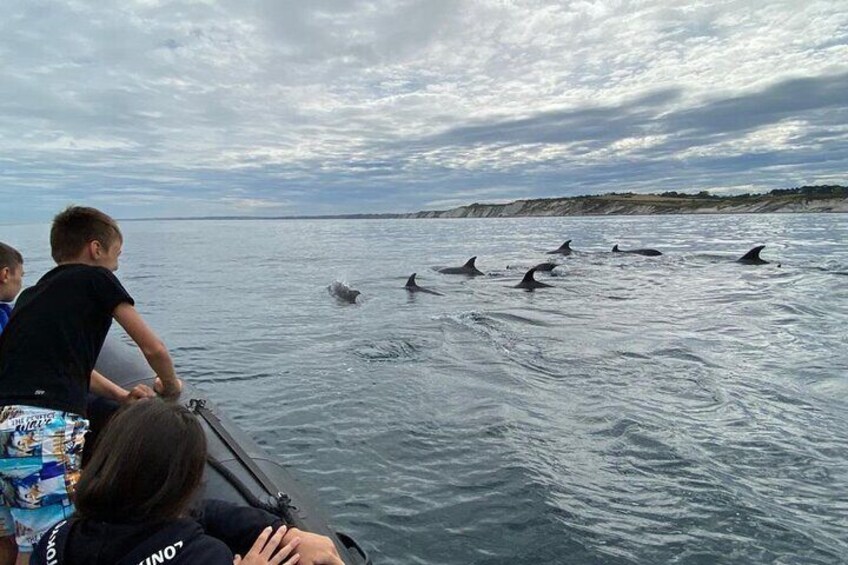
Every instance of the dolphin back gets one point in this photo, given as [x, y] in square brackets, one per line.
[530, 283]
[645, 252]
[528, 276]
[564, 249]
[752, 256]
[342, 292]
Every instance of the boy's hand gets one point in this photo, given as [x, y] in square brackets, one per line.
[138, 392]
[101, 386]
[168, 389]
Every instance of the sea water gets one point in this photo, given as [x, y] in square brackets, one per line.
[673, 409]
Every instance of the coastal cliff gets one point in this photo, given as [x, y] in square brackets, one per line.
[796, 200]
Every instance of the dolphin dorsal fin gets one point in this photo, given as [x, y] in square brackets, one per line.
[470, 262]
[615, 248]
[411, 280]
[566, 245]
[753, 254]
[528, 276]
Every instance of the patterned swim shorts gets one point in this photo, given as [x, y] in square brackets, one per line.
[40, 455]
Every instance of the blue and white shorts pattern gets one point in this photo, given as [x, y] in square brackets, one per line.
[40, 456]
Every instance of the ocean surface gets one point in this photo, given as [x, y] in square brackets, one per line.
[679, 409]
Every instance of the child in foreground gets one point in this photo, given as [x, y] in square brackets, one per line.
[11, 280]
[47, 355]
[133, 500]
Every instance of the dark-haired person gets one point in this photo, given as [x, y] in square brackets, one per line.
[11, 280]
[47, 356]
[133, 497]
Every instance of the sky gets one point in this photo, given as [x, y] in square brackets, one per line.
[276, 107]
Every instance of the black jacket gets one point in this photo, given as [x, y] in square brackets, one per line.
[185, 541]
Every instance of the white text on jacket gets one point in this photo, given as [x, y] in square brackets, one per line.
[162, 555]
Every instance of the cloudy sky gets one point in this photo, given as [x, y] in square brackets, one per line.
[275, 107]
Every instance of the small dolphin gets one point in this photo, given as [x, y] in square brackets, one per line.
[529, 283]
[343, 293]
[564, 249]
[753, 257]
[545, 267]
[412, 286]
[467, 269]
[645, 252]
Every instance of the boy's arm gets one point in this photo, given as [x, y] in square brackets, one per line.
[102, 386]
[151, 346]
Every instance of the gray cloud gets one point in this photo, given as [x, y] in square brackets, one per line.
[795, 98]
[598, 124]
[805, 98]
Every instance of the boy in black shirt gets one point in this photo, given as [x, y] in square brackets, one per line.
[47, 356]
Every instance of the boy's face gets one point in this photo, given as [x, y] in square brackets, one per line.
[109, 255]
[11, 282]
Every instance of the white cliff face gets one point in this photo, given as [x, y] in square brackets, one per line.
[611, 205]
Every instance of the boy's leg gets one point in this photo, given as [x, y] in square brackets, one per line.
[8, 550]
[39, 466]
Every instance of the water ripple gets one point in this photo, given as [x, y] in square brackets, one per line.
[678, 409]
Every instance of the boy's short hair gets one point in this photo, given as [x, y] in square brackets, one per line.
[76, 227]
[10, 257]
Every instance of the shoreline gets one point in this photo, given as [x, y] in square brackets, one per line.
[527, 209]
[828, 199]
[808, 199]
[841, 208]
[588, 206]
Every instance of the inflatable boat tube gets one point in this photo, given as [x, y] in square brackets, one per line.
[238, 470]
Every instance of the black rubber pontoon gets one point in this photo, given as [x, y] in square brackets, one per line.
[238, 470]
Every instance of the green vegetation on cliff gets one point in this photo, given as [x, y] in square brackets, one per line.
[830, 198]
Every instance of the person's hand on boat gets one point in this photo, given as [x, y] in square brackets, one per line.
[138, 392]
[168, 388]
[266, 549]
[314, 549]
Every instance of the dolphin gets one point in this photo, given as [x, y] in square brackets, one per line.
[529, 283]
[412, 286]
[645, 252]
[753, 257]
[564, 249]
[545, 267]
[467, 269]
[343, 293]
